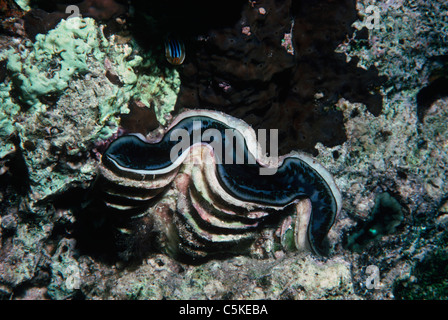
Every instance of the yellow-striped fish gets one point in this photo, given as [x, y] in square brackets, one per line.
[174, 51]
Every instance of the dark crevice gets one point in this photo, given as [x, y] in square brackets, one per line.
[431, 93]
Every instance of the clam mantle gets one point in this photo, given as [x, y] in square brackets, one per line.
[198, 204]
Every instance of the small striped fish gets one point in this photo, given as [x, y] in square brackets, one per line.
[174, 51]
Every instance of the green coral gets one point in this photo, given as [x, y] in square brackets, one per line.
[153, 86]
[9, 111]
[55, 58]
[23, 4]
[47, 68]
[59, 101]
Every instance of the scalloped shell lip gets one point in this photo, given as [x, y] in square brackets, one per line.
[205, 180]
[323, 172]
[252, 144]
[255, 148]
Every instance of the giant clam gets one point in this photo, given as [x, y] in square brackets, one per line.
[212, 196]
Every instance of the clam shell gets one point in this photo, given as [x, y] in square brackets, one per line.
[196, 211]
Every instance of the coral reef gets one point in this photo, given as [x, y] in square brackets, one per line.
[360, 84]
[45, 68]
